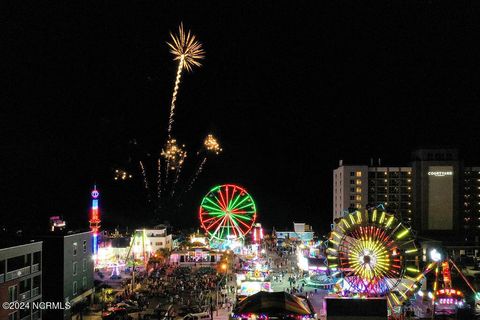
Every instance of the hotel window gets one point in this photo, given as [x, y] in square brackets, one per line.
[74, 288]
[352, 197]
[74, 248]
[358, 206]
[358, 198]
[353, 190]
[352, 173]
[352, 181]
[358, 190]
[74, 268]
[358, 173]
[359, 182]
[84, 246]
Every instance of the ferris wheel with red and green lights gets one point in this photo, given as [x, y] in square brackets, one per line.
[227, 212]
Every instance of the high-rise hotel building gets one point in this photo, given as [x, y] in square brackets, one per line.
[361, 186]
[435, 192]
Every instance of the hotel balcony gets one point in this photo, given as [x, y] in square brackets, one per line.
[17, 273]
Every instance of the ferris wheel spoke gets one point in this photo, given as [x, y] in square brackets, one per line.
[246, 225]
[209, 219]
[212, 210]
[243, 207]
[233, 227]
[230, 197]
[222, 201]
[237, 205]
[239, 216]
[217, 222]
[219, 227]
[226, 197]
[240, 231]
[214, 204]
[233, 203]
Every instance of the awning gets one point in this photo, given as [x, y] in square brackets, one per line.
[274, 303]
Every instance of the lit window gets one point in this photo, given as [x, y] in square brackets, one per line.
[358, 198]
[358, 173]
[358, 190]
[359, 182]
[358, 206]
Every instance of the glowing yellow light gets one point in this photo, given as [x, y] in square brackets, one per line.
[382, 217]
[359, 217]
[211, 144]
[390, 220]
[411, 250]
[174, 154]
[402, 234]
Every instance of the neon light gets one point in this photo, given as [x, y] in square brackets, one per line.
[95, 222]
[402, 234]
[228, 212]
[369, 253]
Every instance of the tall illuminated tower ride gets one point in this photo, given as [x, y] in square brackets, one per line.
[95, 219]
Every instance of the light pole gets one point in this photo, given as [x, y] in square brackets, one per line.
[224, 267]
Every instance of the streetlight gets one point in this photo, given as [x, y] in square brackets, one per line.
[223, 266]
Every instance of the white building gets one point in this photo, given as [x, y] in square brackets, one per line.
[152, 240]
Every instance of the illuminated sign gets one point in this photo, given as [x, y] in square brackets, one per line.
[440, 173]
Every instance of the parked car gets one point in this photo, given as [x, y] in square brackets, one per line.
[116, 314]
[198, 316]
[130, 308]
[165, 310]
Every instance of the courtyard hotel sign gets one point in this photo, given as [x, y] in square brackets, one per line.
[440, 173]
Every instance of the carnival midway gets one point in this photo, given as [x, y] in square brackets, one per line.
[369, 266]
[232, 268]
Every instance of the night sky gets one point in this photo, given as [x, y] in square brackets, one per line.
[288, 90]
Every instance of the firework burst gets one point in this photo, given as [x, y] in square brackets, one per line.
[187, 50]
[174, 154]
[211, 144]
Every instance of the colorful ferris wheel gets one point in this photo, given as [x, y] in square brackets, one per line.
[227, 212]
[376, 255]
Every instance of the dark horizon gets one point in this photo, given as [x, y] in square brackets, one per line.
[289, 90]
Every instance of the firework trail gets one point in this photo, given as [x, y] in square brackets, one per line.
[210, 145]
[177, 176]
[187, 50]
[197, 173]
[144, 174]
